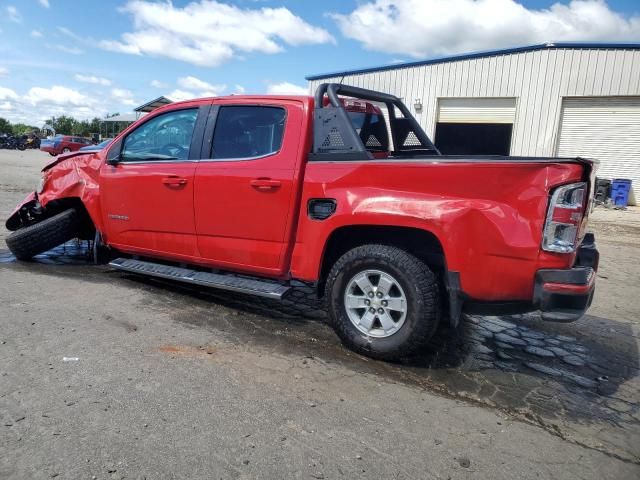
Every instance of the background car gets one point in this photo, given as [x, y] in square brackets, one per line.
[94, 148]
[64, 144]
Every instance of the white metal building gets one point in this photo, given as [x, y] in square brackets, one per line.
[563, 99]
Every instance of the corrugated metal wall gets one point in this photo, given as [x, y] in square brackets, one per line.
[537, 79]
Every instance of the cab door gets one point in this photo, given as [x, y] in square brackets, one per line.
[147, 185]
[245, 189]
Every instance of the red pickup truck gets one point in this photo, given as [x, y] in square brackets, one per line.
[255, 193]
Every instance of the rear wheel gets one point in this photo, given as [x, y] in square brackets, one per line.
[45, 235]
[66, 150]
[383, 301]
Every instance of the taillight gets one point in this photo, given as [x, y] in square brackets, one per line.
[564, 217]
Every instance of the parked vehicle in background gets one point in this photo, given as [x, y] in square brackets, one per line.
[259, 193]
[32, 141]
[94, 148]
[64, 144]
[11, 142]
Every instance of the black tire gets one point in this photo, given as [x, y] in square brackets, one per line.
[66, 150]
[52, 154]
[101, 253]
[421, 289]
[45, 235]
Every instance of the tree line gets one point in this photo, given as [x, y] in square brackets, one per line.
[63, 124]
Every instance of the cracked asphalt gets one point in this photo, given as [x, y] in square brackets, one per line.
[108, 375]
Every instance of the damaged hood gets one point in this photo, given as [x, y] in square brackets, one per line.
[67, 156]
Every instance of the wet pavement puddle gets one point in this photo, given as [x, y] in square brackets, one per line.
[579, 380]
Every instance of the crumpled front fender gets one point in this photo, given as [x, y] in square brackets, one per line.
[68, 177]
[13, 222]
[75, 176]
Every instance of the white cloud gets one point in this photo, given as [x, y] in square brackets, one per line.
[36, 33]
[158, 84]
[426, 27]
[7, 94]
[13, 14]
[105, 82]
[69, 50]
[286, 88]
[44, 3]
[205, 88]
[57, 95]
[240, 90]
[178, 95]
[4, 71]
[40, 103]
[208, 33]
[192, 87]
[124, 96]
[65, 31]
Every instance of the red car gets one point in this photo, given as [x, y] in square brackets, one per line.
[64, 144]
[255, 193]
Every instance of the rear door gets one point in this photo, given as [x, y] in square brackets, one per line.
[245, 191]
[76, 143]
[148, 195]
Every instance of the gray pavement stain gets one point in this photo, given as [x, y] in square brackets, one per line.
[564, 377]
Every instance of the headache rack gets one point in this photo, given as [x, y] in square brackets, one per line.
[335, 139]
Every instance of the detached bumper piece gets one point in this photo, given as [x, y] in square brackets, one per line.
[565, 295]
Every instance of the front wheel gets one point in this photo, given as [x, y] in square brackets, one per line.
[45, 235]
[383, 302]
[66, 150]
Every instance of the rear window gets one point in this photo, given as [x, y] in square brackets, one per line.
[372, 129]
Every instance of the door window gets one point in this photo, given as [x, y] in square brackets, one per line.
[247, 132]
[165, 137]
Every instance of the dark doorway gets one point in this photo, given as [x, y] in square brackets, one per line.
[474, 138]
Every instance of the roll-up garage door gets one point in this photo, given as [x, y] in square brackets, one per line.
[475, 126]
[604, 128]
[476, 110]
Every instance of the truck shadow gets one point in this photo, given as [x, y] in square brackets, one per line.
[584, 372]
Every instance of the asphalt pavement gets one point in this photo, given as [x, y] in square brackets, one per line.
[106, 375]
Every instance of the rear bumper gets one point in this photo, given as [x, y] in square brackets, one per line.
[565, 295]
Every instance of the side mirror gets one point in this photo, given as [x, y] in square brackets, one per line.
[114, 154]
[113, 161]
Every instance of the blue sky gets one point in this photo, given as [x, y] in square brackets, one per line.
[93, 57]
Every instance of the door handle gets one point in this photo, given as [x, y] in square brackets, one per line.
[174, 180]
[265, 183]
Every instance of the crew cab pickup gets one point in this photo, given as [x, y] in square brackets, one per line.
[343, 191]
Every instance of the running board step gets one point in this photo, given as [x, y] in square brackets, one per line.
[262, 288]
